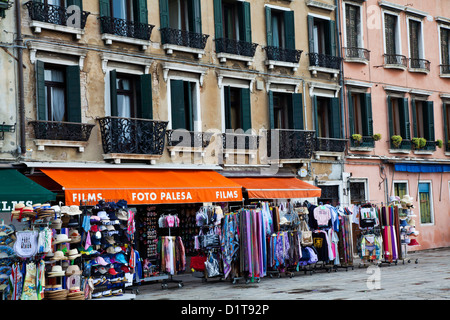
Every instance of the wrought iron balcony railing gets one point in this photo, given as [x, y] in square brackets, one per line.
[395, 60]
[404, 145]
[429, 146]
[132, 135]
[419, 64]
[357, 53]
[330, 144]
[191, 139]
[56, 130]
[292, 144]
[366, 142]
[445, 69]
[183, 38]
[240, 141]
[237, 47]
[324, 61]
[6, 128]
[55, 14]
[125, 28]
[282, 54]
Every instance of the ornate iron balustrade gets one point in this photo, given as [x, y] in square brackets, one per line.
[56, 130]
[447, 146]
[125, 28]
[282, 54]
[6, 128]
[324, 61]
[192, 139]
[240, 141]
[429, 146]
[404, 145]
[366, 142]
[357, 53]
[292, 144]
[445, 69]
[419, 64]
[183, 38]
[395, 59]
[54, 14]
[330, 144]
[238, 47]
[132, 135]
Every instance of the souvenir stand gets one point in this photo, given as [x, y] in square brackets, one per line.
[345, 239]
[390, 233]
[370, 243]
[408, 231]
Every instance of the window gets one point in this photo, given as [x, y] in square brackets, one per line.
[237, 108]
[322, 43]
[358, 192]
[183, 105]
[131, 95]
[327, 117]
[400, 189]
[392, 47]
[285, 110]
[58, 91]
[399, 123]
[423, 119]
[446, 107]
[425, 203]
[360, 114]
[129, 10]
[122, 9]
[280, 28]
[416, 49]
[445, 50]
[182, 15]
[353, 30]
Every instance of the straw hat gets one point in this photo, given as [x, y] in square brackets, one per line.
[73, 254]
[73, 270]
[65, 209]
[56, 224]
[56, 272]
[74, 210]
[58, 255]
[75, 237]
[61, 238]
[407, 201]
[75, 294]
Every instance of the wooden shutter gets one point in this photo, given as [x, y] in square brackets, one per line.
[429, 120]
[446, 135]
[271, 115]
[390, 116]
[141, 11]
[334, 116]
[315, 115]
[105, 9]
[113, 92]
[414, 117]
[289, 30]
[405, 125]
[177, 104]
[218, 19]
[144, 92]
[331, 37]
[269, 31]
[164, 13]
[190, 112]
[311, 33]
[195, 19]
[351, 116]
[297, 111]
[366, 99]
[445, 46]
[414, 40]
[245, 22]
[73, 93]
[78, 3]
[40, 91]
[246, 111]
[389, 26]
[227, 106]
[352, 21]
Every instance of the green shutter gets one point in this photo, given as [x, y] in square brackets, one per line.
[315, 115]
[405, 123]
[297, 111]
[446, 137]
[190, 111]
[368, 118]
[311, 33]
[78, 3]
[289, 30]
[332, 38]
[227, 106]
[195, 16]
[164, 13]
[269, 31]
[141, 11]
[390, 116]
[40, 91]
[105, 9]
[429, 119]
[351, 121]
[113, 92]
[246, 112]
[414, 118]
[245, 21]
[218, 21]
[145, 105]
[177, 104]
[271, 115]
[73, 93]
[334, 115]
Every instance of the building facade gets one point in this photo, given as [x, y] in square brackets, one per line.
[396, 90]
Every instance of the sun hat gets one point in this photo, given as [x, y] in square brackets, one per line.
[56, 271]
[61, 238]
[73, 254]
[75, 237]
[394, 199]
[56, 224]
[58, 255]
[122, 214]
[73, 269]
[65, 209]
[74, 210]
[103, 215]
[413, 242]
[407, 201]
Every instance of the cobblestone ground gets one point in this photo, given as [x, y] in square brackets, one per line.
[429, 279]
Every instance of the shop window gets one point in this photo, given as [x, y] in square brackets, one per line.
[327, 117]
[425, 202]
[237, 108]
[183, 105]
[285, 110]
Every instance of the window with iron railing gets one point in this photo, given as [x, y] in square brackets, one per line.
[393, 56]
[416, 50]
[445, 51]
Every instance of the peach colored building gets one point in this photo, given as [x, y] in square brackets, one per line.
[396, 78]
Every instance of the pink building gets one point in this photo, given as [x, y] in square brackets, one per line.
[396, 79]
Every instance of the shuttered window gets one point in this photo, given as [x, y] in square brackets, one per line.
[280, 28]
[285, 110]
[446, 115]
[322, 36]
[181, 14]
[425, 202]
[352, 22]
[414, 36]
[399, 123]
[445, 46]
[360, 113]
[182, 104]
[423, 119]
[327, 117]
[237, 108]
[390, 29]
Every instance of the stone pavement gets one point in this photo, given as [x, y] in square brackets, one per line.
[429, 279]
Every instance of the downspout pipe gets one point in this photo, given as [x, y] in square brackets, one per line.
[341, 74]
[19, 43]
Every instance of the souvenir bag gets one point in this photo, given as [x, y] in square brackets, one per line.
[211, 239]
[306, 238]
[212, 266]
[198, 262]
[26, 244]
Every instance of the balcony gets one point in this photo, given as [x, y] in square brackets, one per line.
[235, 50]
[6, 128]
[240, 144]
[56, 18]
[185, 41]
[429, 148]
[61, 134]
[330, 147]
[360, 55]
[366, 144]
[291, 146]
[187, 141]
[283, 57]
[445, 70]
[404, 147]
[120, 30]
[132, 139]
[419, 65]
[319, 62]
[395, 61]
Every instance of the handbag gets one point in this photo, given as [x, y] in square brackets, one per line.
[198, 262]
[306, 238]
[212, 266]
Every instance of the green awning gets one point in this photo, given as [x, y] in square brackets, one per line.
[15, 187]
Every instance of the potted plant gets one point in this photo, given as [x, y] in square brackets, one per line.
[419, 143]
[439, 143]
[396, 141]
[376, 137]
[357, 138]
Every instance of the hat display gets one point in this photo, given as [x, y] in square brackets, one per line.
[75, 237]
[58, 255]
[407, 201]
[73, 270]
[122, 215]
[74, 210]
[65, 210]
[61, 238]
[413, 242]
[103, 215]
[57, 271]
[73, 254]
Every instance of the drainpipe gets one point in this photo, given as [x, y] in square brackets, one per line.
[19, 41]
[341, 74]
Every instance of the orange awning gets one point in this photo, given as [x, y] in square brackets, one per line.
[277, 188]
[145, 186]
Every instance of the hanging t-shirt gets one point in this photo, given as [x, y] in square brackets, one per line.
[322, 215]
[320, 242]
